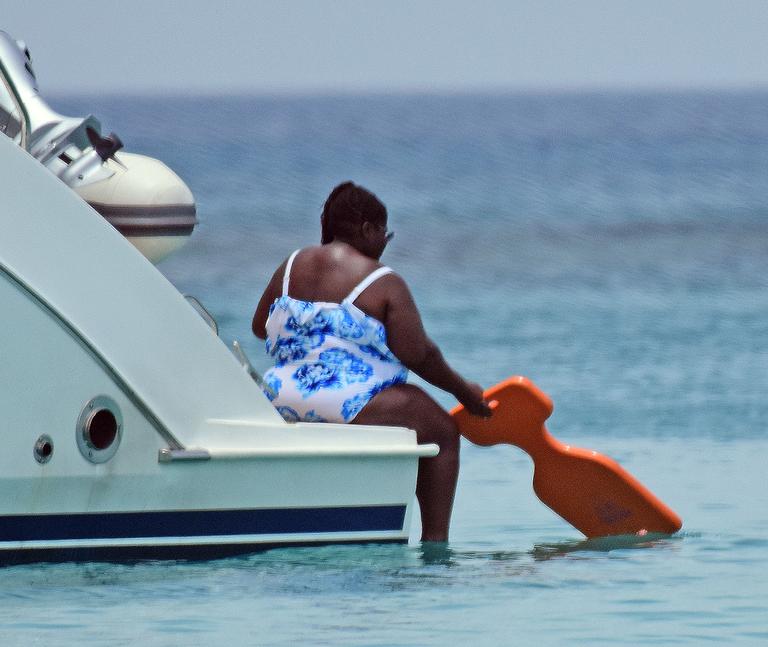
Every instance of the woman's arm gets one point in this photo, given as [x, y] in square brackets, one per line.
[271, 292]
[408, 340]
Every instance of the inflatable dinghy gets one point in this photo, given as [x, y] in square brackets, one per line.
[138, 195]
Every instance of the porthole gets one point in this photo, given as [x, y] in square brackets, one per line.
[43, 449]
[99, 429]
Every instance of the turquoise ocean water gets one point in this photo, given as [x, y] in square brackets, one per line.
[612, 247]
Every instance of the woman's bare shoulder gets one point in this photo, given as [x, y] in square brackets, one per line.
[396, 287]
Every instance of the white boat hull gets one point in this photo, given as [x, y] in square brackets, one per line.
[130, 430]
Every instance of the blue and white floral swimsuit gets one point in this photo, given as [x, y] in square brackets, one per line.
[330, 358]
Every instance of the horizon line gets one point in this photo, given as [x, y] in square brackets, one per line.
[341, 92]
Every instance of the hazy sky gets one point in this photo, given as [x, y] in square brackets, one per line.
[390, 45]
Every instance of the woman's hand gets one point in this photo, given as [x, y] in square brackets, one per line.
[474, 402]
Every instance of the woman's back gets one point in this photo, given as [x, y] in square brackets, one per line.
[331, 357]
[329, 273]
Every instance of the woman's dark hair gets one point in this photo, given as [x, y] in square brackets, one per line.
[347, 207]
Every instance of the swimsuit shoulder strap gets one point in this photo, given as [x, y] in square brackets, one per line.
[287, 273]
[373, 276]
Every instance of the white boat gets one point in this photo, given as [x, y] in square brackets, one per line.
[138, 195]
[131, 431]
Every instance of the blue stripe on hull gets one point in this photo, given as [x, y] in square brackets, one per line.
[199, 523]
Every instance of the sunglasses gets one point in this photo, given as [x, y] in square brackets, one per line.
[388, 234]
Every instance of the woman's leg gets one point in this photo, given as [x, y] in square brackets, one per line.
[406, 405]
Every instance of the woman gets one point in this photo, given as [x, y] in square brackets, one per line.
[344, 331]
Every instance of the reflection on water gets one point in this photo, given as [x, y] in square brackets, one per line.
[440, 554]
[382, 557]
[301, 570]
[437, 554]
[542, 552]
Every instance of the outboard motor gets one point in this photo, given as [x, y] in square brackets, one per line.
[139, 195]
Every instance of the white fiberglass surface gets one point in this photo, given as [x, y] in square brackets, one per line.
[112, 297]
